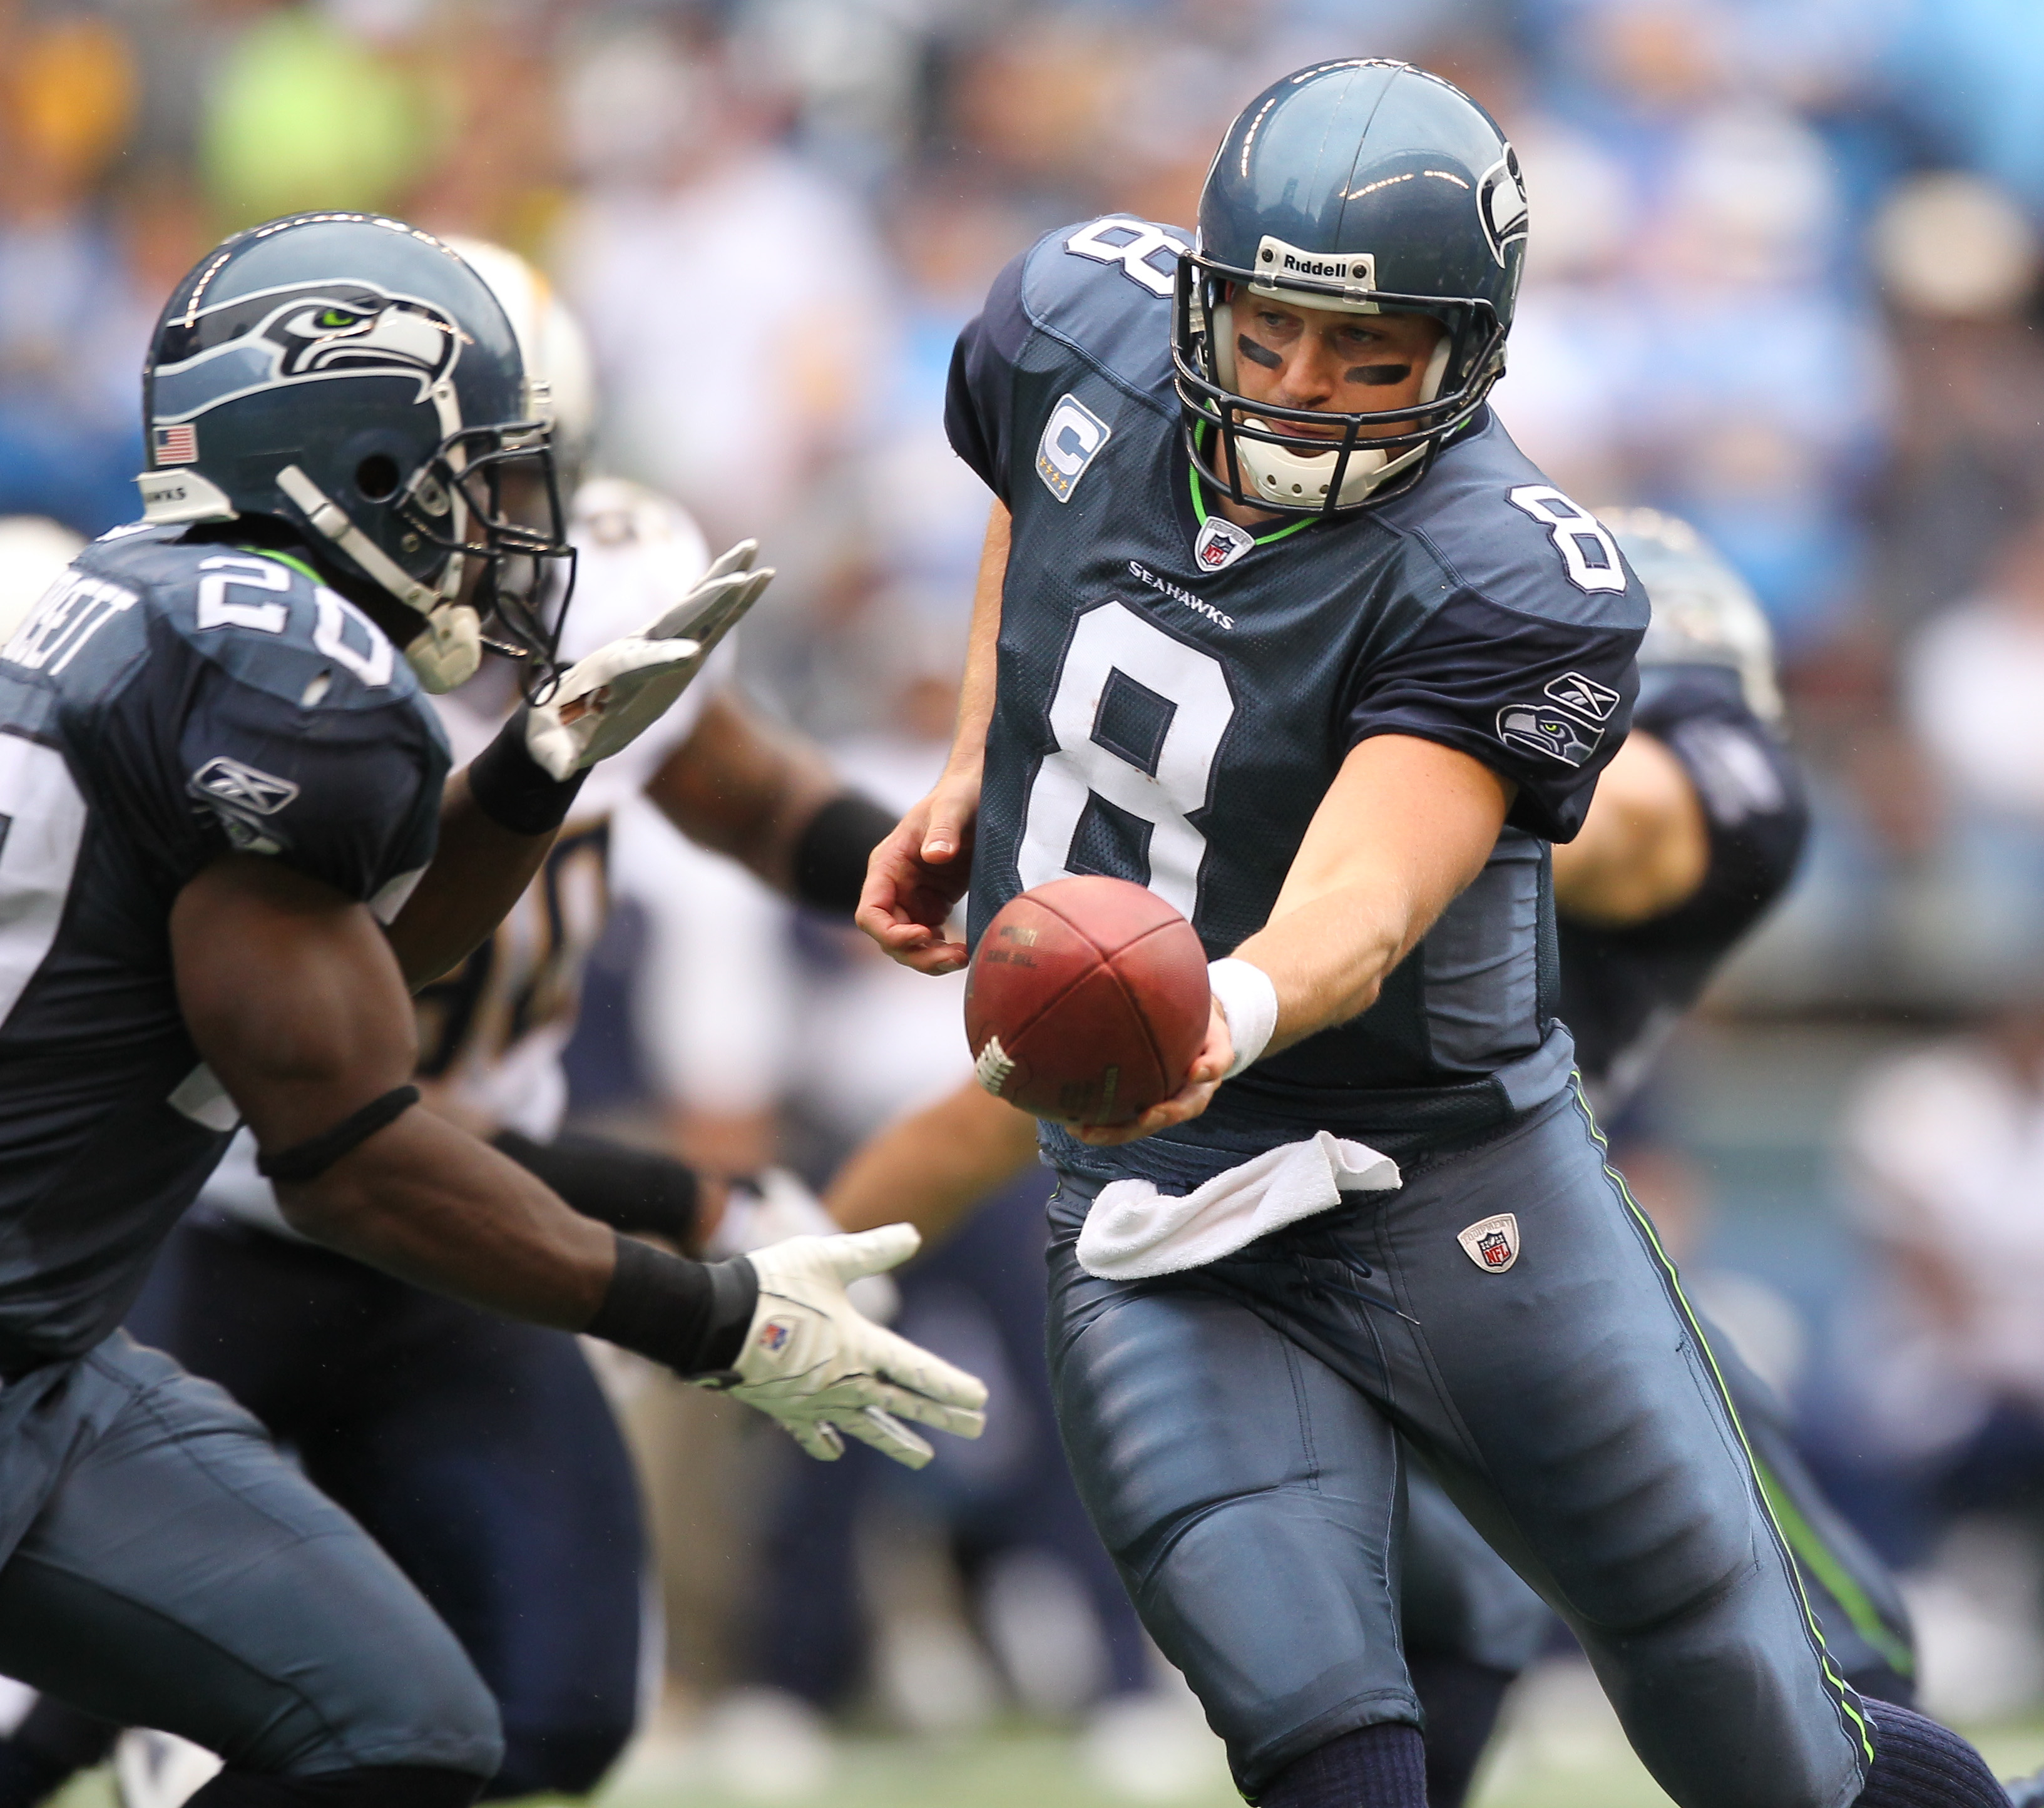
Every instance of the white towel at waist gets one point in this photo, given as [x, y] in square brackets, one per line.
[1133, 1231]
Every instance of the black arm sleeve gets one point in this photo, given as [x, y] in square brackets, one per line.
[979, 401]
[693, 1316]
[1543, 702]
[831, 857]
[629, 1189]
[1755, 808]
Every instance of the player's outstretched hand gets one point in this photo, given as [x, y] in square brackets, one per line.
[825, 1372]
[918, 873]
[1216, 1055]
[606, 701]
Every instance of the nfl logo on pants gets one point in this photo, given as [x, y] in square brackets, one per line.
[1492, 1243]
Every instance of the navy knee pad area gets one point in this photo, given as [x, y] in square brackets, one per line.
[383, 1786]
[1918, 1763]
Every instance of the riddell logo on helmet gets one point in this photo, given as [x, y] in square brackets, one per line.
[1277, 261]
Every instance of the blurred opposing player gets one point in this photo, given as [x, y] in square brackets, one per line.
[479, 1452]
[1693, 833]
[1276, 619]
[33, 554]
[233, 845]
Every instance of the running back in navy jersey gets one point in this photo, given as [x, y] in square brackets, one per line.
[1175, 695]
[165, 703]
[1623, 989]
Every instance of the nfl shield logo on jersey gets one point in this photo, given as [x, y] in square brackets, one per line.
[1492, 1243]
[1219, 543]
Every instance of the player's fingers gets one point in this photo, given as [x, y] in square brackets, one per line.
[888, 1435]
[739, 558]
[818, 1438]
[872, 1251]
[936, 958]
[960, 1421]
[731, 607]
[932, 1386]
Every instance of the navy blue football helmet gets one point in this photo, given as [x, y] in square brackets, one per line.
[1366, 186]
[351, 377]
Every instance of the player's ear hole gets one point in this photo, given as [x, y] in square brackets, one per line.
[376, 477]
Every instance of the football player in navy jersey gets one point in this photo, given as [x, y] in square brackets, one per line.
[1274, 619]
[232, 845]
[479, 1452]
[1694, 833]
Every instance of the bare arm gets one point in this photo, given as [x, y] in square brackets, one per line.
[1644, 848]
[478, 871]
[1406, 825]
[932, 1166]
[295, 1000]
[922, 870]
[738, 786]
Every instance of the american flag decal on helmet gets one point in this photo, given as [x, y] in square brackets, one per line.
[177, 445]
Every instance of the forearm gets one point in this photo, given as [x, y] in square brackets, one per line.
[428, 1203]
[932, 1167]
[499, 817]
[1327, 957]
[976, 689]
[1406, 825]
[745, 788]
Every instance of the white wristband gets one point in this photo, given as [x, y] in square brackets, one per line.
[1249, 1001]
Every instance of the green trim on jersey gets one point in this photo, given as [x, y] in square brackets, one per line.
[291, 558]
[1848, 1705]
[1200, 513]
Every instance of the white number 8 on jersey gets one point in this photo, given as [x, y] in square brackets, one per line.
[1182, 705]
[1577, 533]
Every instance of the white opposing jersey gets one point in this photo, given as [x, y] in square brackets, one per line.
[492, 1031]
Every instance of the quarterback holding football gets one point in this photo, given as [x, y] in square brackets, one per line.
[1275, 620]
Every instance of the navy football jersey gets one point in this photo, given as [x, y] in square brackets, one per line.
[1623, 989]
[1176, 695]
[164, 702]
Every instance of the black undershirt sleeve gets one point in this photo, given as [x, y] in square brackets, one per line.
[632, 1190]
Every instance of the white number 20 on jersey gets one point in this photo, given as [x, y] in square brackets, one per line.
[1138, 716]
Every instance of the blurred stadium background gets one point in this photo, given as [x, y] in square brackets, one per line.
[1784, 280]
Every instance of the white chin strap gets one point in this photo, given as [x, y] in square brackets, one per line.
[449, 647]
[1299, 480]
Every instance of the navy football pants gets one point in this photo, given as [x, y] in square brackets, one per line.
[480, 1453]
[1232, 1432]
[181, 1574]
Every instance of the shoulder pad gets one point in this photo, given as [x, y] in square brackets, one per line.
[1492, 517]
[1105, 287]
[260, 616]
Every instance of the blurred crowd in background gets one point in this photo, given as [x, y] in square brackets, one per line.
[1783, 279]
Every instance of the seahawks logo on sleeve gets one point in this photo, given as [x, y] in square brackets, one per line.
[1547, 732]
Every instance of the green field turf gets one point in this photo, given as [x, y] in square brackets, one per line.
[1560, 1753]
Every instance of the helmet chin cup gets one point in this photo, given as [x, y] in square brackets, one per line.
[1299, 480]
[449, 650]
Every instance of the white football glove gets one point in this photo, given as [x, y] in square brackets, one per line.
[773, 1206]
[605, 702]
[812, 1363]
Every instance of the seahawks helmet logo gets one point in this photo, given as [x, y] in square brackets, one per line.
[309, 332]
[1500, 203]
[1547, 732]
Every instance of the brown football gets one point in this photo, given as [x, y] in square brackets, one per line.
[1086, 1001]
